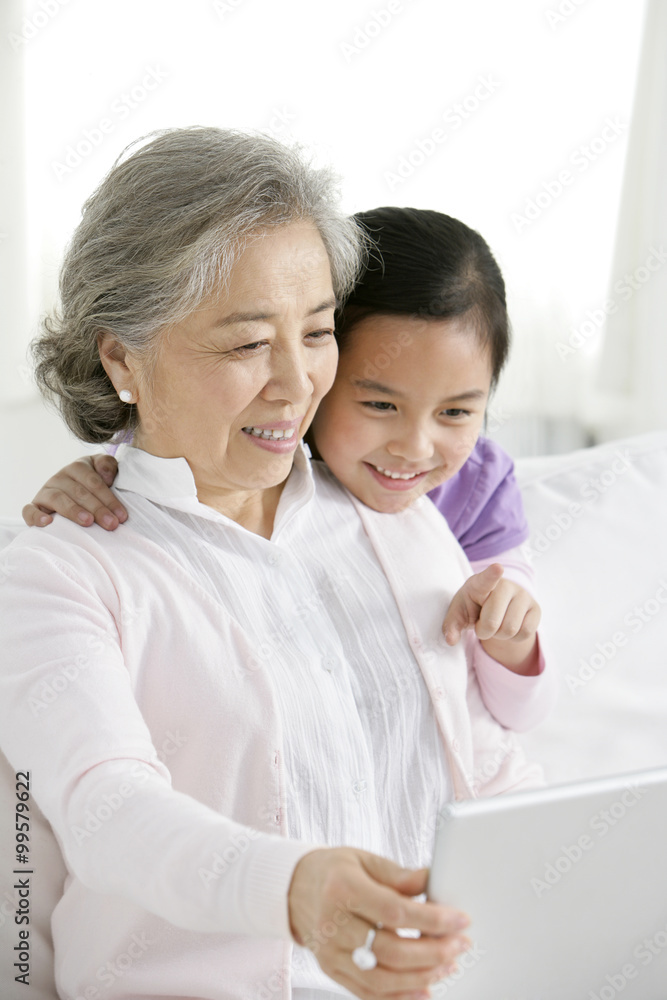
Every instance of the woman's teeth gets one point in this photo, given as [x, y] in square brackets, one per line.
[397, 475]
[270, 435]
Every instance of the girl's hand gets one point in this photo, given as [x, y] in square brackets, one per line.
[338, 894]
[80, 492]
[504, 616]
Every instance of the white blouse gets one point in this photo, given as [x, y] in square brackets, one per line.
[362, 750]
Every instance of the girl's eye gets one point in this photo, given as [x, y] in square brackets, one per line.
[379, 406]
[456, 413]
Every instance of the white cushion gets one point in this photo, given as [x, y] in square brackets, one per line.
[599, 549]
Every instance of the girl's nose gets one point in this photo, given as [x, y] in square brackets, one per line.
[414, 444]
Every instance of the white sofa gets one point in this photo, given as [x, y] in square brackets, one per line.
[599, 548]
[598, 520]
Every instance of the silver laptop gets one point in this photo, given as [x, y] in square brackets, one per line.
[566, 888]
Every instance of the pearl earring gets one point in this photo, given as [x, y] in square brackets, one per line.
[125, 395]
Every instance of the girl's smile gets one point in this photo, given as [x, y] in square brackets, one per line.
[396, 480]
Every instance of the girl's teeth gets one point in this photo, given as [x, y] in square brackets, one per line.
[397, 475]
[271, 435]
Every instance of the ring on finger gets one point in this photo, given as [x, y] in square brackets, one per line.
[364, 957]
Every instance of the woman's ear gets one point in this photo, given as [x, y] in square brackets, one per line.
[113, 356]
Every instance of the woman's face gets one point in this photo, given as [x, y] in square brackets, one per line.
[237, 383]
[408, 402]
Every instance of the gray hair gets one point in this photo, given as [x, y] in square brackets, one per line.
[160, 233]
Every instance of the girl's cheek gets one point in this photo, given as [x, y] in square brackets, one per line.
[468, 438]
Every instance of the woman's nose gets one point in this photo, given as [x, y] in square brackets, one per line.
[289, 377]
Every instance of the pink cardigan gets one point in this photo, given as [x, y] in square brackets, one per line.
[155, 864]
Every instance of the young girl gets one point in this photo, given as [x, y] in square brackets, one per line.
[423, 339]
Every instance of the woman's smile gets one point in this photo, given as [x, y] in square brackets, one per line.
[280, 436]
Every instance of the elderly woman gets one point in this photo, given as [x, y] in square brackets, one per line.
[206, 700]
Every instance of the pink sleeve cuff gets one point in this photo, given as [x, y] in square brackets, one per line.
[517, 701]
[267, 880]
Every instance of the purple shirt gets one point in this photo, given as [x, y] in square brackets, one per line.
[482, 503]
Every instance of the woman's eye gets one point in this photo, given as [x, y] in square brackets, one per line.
[382, 407]
[249, 348]
[320, 334]
[456, 413]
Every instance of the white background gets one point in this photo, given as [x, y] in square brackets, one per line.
[522, 90]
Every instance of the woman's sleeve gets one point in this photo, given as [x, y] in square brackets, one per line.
[517, 701]
[69, 716]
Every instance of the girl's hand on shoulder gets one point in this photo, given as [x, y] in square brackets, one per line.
[503, 614]
[79, 492]
[338, 894]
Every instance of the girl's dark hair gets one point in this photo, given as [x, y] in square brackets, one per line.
[429, 265]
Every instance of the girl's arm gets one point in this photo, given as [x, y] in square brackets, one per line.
[483, 506]
[517, 700]
[79, 492]
[504, 616]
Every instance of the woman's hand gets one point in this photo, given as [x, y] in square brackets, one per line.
[80, 492]
[505, 618]
[338, 894]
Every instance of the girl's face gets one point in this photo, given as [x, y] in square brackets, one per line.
[406, 408]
